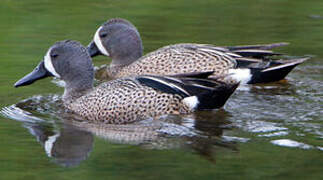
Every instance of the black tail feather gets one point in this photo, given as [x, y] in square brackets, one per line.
[275, 71]
[217, 97]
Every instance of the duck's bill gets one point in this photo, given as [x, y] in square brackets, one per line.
[39, 72]
[93, 49]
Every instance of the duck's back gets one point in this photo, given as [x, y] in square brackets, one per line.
[182, 58]
[125, 100]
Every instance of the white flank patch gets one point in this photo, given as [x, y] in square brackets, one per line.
[242, 75]
[191, 102]
[50, 143]
[98, 42]
[49, 65]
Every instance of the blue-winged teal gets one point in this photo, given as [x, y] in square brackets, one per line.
[120, 40]
[127, 99]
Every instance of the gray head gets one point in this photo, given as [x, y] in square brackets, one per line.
[67, 60]
[118, 39]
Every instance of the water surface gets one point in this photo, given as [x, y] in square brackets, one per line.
[264, 132]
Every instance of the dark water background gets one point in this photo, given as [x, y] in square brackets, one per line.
[265, 132]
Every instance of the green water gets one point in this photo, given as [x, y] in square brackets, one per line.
[236, 143]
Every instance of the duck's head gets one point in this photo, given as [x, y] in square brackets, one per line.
[118, 39]
[67, 60]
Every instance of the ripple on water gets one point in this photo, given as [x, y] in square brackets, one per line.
[291, 143]
[261, 126]
[235, 139]
[282, 108]
[13, 112]
[36, 109]
[279, 133]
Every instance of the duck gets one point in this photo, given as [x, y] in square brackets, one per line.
[128, 99]
[120, 40]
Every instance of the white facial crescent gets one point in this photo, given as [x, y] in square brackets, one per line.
[49, 65]
[98, 42]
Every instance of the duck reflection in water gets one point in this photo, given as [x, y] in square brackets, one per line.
[69, 141]
[68, 146]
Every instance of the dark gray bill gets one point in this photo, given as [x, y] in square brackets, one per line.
[39, 72]
[93, 49]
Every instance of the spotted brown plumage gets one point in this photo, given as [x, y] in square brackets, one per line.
[120, 40]
[126, 99]
[178, 59]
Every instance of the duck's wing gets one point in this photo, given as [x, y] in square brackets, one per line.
[200, 93]
[227, 56]
[257, 46]
[186, 58]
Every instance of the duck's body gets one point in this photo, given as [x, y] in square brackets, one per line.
[120, 40]
[127, 99]
[178, 59]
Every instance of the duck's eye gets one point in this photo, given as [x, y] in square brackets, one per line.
[103, 34]
[54, 55]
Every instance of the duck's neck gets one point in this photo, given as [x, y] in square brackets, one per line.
[117, 65]
[76, 89]
[113, 70]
